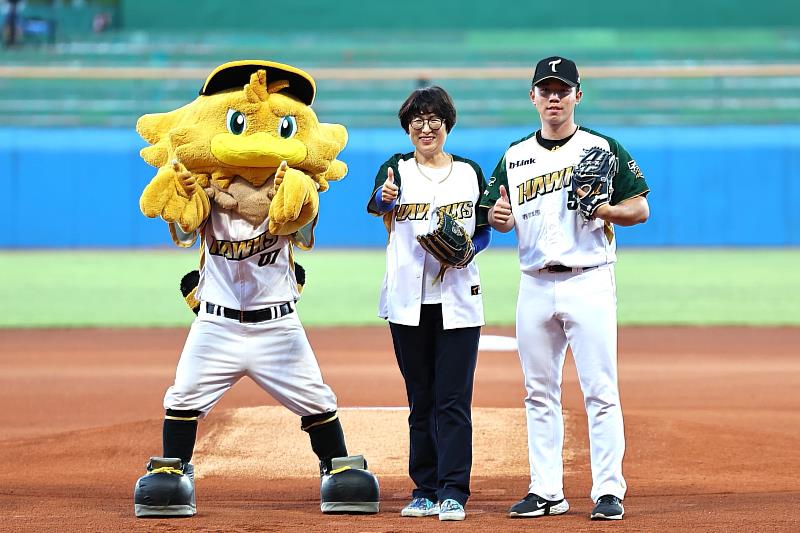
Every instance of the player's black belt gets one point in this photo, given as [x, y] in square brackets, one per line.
[562, 268]
[257, 315]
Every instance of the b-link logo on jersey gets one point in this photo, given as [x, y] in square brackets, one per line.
[521, 162]
[544, 184]
[238, 250]
[457, 210]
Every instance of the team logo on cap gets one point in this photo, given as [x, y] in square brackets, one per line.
[554, 63]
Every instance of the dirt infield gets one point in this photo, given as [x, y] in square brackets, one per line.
[712, 422]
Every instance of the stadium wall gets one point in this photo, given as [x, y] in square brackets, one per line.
[712, 186]
[247, 15]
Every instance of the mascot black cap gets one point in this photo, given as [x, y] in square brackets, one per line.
[236, 74]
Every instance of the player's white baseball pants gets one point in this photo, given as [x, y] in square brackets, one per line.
[275, 354]
[579, 309]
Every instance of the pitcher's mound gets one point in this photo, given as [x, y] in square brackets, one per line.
[267, 443]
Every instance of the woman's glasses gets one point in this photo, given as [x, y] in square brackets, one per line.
[434, 123]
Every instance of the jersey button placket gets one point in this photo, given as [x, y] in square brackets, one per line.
[432, 212]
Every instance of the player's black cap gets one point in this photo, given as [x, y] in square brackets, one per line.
[559, 68]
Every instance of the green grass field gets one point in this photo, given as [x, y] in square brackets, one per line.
[756, 287]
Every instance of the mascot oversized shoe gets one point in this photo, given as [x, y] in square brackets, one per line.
[348, 487]
[166, 490]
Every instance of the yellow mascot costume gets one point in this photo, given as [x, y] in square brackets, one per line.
[227, 146]
[242, 167]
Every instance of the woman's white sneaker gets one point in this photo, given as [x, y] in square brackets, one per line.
[420, 507]
[451, 510]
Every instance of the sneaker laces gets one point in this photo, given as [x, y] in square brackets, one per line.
[167, 470]
[608, 498]
[422, 503]
[450, 505]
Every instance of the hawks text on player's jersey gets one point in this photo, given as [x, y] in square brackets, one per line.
[547, 183]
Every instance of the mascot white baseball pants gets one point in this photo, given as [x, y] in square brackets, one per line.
[275, 354]
[580, 309]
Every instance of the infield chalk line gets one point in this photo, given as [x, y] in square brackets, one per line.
[497, 343]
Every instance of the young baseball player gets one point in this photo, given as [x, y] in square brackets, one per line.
[435, 320]
[567, 289]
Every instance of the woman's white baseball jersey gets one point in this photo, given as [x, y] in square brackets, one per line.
[538, 181]
[410, 273]
[245, 268]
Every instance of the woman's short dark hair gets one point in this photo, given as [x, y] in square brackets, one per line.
[428, 100]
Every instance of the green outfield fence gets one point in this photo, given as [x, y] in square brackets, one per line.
[642, 63]
[368, 96]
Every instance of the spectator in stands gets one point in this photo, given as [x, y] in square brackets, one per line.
[11, 10]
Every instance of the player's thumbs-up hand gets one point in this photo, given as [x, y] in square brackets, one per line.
[389, 191]
[504, 195]
[500, 216]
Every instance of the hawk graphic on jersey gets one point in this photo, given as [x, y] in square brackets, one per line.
[228, 143]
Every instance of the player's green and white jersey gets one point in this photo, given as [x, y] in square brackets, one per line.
[423, 192]
[550, 230]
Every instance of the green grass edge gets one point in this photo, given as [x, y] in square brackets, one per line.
[139, 288]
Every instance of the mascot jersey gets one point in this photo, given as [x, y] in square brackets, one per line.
[245, 267]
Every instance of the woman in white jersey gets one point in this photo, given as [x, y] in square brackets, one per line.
[435, 322]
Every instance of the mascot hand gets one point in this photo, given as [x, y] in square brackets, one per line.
[295, 203]
[176, 195]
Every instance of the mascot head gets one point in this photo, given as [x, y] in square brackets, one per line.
[250, 116]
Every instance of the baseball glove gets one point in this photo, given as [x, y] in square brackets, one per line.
[449, 243]
[593, 175]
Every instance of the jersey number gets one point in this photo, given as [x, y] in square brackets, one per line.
[268, 258]
[572, 200]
